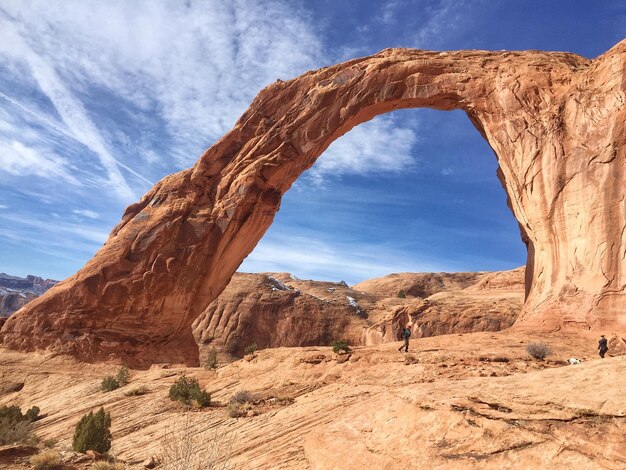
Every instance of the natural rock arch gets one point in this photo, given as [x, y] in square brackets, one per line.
[554, 120]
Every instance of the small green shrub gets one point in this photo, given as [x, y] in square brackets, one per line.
[402, 294]
[538, 350]
[15, 426]
[187, 391]
[250, 350]
[49, 443]
[93, 431]
[32, 414]
[47, 459]
[211, 359]
[339, 346]
[12, 413]
[123, 376]
[109, 384]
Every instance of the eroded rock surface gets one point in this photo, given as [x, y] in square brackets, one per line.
[276, 309]
[472, 402]
[554, 120]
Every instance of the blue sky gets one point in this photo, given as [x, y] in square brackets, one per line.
[99, 100]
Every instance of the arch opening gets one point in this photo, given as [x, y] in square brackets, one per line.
[414, 190]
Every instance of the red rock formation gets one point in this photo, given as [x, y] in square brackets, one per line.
[554, 120]
[274, 310]
[261, 309]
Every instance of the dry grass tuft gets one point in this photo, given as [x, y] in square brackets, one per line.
[46, 460]
[183, 449]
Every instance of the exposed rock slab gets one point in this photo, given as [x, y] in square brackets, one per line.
[554, 120]
[456, 407]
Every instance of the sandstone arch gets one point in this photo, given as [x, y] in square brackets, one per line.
[554, 120]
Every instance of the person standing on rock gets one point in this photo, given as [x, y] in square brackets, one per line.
[406, 334]
[603, 346]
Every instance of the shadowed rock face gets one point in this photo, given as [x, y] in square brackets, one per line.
[554, 120]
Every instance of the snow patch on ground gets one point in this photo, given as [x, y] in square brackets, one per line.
[277, 285]
[353, 303]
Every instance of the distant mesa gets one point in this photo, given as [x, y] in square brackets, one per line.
[16, 291]
[555, 121]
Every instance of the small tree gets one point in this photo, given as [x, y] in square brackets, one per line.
[402, 294]
[187, 391]
[93, 431]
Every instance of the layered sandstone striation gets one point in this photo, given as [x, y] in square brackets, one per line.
[554, 120]
[276, 309]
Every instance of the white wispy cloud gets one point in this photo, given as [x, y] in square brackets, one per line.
[17, 159]
[379, 145]
[86, 213]
[69, 107]
[313, 258]
[440, 22]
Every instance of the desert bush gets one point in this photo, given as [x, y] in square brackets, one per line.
[136, 391]
[109, 384]
[402, 294]
[93, 431]
[123, 376]
[15, 426]
[538, 350]
[32, 414]
[183, 448]
[13, 431]
[339, 346]
[47, 459]
[251, 349]
[235, 410]
[11, 413]
[49, 443]
[211, 359]
[242, 396]
[187, 391]
[103, 465]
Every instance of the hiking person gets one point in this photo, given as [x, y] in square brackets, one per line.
[406, 334]
[603, 346]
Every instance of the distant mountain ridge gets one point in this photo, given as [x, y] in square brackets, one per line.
[16, 291]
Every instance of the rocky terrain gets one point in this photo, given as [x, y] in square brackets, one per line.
[455, 401]
[554, 120]
[16, 291]
[276, 309]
